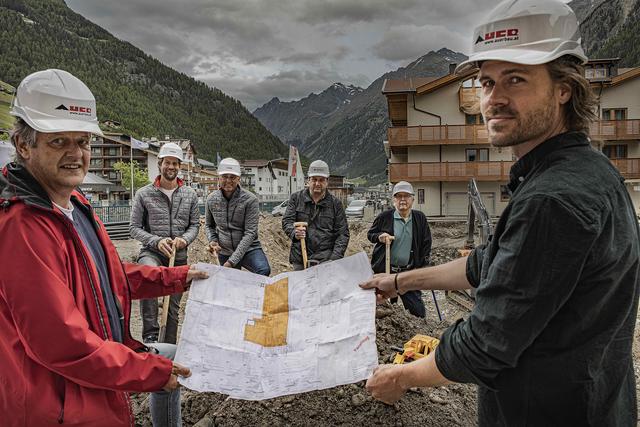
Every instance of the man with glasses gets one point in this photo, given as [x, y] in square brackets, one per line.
[327, 232]
[410, 237]
[231, 222]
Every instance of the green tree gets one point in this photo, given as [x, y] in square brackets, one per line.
[140, 176]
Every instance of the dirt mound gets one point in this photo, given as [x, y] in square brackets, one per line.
[349, 404]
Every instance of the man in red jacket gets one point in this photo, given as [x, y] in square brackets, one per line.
[66, 352]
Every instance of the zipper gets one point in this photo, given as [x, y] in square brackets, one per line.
[93, 287]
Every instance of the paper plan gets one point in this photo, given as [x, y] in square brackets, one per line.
[254, 337]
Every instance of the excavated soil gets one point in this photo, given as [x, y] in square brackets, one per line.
[452, 405]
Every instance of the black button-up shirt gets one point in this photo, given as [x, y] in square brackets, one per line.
[549, 339]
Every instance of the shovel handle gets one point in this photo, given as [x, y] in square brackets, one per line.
[166, 300]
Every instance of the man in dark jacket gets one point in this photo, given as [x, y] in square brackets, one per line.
[549, 341]
[410, 246]
[327, 233]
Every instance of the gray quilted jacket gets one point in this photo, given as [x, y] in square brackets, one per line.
[234, 223]
[154, 217]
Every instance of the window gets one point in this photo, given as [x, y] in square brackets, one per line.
[614, 114]
[505, 194]
[112, 151]
[421, 196]
[618, 151]
[95, 163]
[477, 154]
[113, 175]
[260, 179]
[474, 119]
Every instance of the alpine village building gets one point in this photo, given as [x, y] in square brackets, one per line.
[437, 139]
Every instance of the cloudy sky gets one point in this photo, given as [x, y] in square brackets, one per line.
[254, 50]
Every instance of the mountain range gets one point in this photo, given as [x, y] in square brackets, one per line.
[348, 131]
[132, 88]
[344, 125]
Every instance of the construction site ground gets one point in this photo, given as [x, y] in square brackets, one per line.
[451, 405]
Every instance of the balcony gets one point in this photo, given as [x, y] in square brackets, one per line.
[409, 136]
[481, 171]
[450, 171]
[629, 168]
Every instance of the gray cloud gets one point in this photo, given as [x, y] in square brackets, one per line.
[254, 50]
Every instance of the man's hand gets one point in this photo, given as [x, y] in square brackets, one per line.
[383, 237]
[214, 248]
[383, 284]
[165, 246]
[301, 232]
[176, 371]
[196, 274]
[180, 243]
[228, 264]
[385, 384]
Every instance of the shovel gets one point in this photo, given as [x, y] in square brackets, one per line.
[303, 244]
[166, 300]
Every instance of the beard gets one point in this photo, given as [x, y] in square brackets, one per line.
[520, 129]
[169, 175]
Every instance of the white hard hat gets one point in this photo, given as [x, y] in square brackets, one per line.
[55, 101]
[171, 149]
[230, 166]
[318, 168]
[526, 32]
[403, 187]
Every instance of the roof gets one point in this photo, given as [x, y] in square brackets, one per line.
[93, 179]
[405, 85]
[255, 163]
[206, 163]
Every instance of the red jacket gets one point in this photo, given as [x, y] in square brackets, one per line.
[58, 363]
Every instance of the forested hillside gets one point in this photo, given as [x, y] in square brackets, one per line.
[145, 96]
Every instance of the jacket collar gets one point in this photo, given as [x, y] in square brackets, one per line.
[533, 158]
[17, 184]
[156, 182]
[306, 196]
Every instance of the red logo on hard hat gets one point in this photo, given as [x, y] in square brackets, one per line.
[75, 109]
[499, 35]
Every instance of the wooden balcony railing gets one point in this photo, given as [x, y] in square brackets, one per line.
[407, 136]
[481, 171]
[450, 171]
[629, 168]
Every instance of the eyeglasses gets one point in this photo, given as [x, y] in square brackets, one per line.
[228, 177]
[403, 196]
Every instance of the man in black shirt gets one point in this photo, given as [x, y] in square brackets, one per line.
[549, 340]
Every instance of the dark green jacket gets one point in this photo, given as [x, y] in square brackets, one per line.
[549, 339]
[327, 233]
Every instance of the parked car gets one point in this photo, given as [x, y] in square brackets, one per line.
[356, 209]
[280, 209]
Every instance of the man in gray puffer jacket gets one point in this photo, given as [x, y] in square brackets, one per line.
[164, 213]
[231, 222]
[327, 232]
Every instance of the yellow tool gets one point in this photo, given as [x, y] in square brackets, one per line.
[416, 348]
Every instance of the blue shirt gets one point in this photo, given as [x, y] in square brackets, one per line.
[403, 236]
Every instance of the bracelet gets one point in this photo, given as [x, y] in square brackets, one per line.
[395, 281]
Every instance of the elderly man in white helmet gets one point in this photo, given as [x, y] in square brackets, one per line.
[327, 233]
[549, 340]
[164, 215]
[231, 220]
[67, 355]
